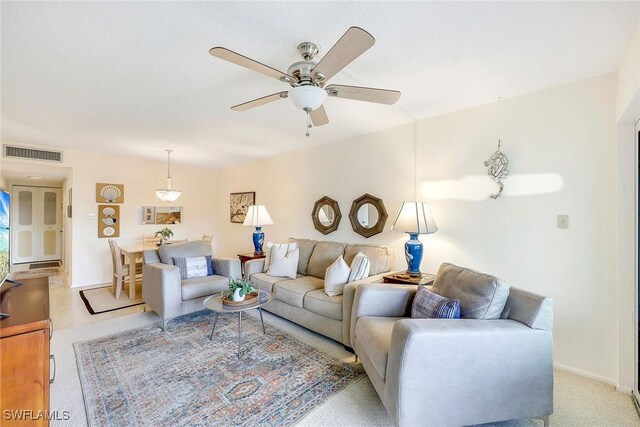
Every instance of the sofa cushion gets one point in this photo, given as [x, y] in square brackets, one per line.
[306, 249]
[293, 291]
[481, 296]
[427, 305]
[203, 286]
[266, 282]
[187, 249]
[336, 277]
[320, 303]
[380, 257]
[324, 254]
[374, 336]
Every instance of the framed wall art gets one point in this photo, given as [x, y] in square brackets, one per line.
[238, 205]
[168, 215]
[108, 221]
[109, 193]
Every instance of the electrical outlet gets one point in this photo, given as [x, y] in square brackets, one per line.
[93, 216]
[563, 221]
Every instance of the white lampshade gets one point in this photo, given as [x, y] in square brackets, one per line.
[415, 218]
[257, 216]
[168, 194]
[307, 96]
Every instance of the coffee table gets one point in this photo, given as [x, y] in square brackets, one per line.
[214, 303]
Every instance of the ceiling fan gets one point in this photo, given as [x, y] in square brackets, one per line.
[308, 78]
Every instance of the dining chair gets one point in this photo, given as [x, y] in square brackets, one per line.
[121, 269]
[207, 238]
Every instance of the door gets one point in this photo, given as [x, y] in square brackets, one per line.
[37, 224]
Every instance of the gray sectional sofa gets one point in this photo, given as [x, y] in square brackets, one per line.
[164, 290]
[302, 300]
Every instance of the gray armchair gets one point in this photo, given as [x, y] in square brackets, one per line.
[164, 290]
[455, 372]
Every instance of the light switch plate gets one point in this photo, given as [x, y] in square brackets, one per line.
[563, 221]
[93, 216]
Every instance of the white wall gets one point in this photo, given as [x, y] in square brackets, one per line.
[627, 113]
[90, 259]
[380, 164]
[561, 144]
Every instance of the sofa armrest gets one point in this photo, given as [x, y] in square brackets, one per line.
[348, 297]
[227, 267]
[162, 289]
[252, 267]
[381, 300]
[500, 369]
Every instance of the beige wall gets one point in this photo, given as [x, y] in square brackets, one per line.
[89, 258]
[561, 144]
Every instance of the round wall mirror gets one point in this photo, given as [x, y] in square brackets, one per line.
[326, 215]
[368, 215]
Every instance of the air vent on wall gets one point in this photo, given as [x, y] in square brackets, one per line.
[31, 153]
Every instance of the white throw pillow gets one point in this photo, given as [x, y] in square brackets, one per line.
[336, 277]
[284, 263]
[360, 267]
[267, 252]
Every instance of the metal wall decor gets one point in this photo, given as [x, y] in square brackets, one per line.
[368, 215]
[326, 215]
[498, 165]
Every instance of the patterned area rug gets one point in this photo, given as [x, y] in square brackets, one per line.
[146, 377]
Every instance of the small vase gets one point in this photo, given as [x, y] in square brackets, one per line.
[236, 295]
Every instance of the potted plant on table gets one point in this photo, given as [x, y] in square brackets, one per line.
[165, 233]
[238, 289]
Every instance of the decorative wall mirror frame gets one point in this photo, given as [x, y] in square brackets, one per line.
[326, 215]
[368, 215]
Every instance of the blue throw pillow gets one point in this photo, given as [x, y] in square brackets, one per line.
[428, 305]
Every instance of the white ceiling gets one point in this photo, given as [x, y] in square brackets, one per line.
[135, 78]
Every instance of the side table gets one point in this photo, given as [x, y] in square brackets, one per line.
[404, 279]
[248, 257]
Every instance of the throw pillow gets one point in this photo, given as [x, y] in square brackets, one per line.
[284, 263]
[360, 267]
[481, 296]
[267, 252]
[428, 305]
[197, 266]
[335, 277]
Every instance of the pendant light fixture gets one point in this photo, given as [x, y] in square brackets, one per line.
[168, 194]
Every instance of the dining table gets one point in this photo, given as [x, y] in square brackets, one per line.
[131, 253]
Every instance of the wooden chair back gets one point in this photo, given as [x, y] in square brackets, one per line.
[150, 240]
[116, 258]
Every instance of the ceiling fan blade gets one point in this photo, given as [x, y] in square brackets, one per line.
[368, 94]
[243, 61]
[259, 101]
[319, 116]
[352, 44]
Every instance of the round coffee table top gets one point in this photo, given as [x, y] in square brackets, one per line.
[214, 303]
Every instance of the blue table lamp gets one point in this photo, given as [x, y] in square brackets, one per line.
[414, 218]
[257, 216]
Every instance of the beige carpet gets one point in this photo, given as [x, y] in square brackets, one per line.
[577, 401]
[103, 299]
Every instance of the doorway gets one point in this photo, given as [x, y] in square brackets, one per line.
[37, 224]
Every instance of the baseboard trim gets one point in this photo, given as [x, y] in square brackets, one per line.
[586, 374]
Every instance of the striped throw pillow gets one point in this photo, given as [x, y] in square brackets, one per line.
[196, 266]
[360, 267]
[428, 305]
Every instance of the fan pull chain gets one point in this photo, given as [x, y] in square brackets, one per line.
[307, 110]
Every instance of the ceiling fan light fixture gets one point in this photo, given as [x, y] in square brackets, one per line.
[307, 97]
